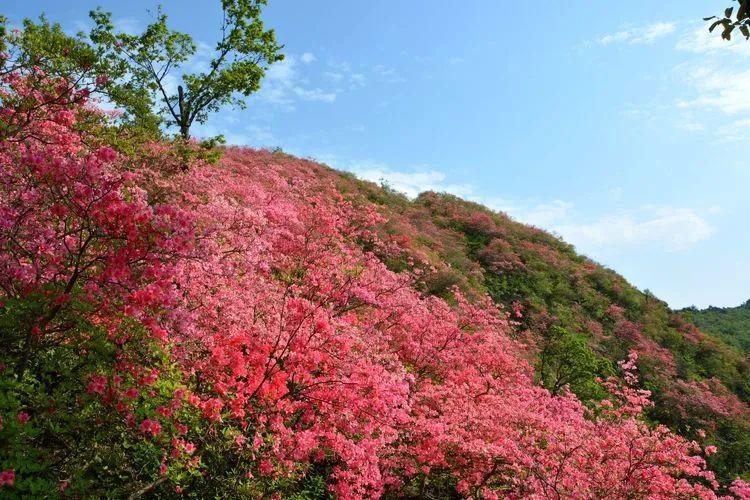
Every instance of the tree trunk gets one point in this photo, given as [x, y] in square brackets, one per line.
[184, 122]
[184, 114]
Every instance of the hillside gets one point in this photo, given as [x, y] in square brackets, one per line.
[576, 317]
[579, 316]
[730, 324]
[265, 326]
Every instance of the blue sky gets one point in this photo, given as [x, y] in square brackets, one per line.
[621, 126]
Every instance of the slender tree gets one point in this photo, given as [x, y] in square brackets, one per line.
[241, 56]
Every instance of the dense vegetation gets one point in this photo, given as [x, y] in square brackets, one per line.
[267, 326]
[730, 324]
[579, 317]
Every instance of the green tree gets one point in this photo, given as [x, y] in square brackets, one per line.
[566, 360]
[42, 51]
[242, 55]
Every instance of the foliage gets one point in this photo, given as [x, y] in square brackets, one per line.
[58, 71]
[150, 59]
[567, 362]
[741, 20]
[730, 324]
[132, 71]
[44, 49]
[694, 378]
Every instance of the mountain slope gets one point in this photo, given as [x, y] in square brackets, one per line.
[730, 324]
[580, 316]
[269, 327]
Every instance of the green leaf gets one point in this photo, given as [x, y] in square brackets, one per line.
[728, 12]
[727, 33]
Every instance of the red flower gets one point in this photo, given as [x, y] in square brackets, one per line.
[149, 426]
[7, 477]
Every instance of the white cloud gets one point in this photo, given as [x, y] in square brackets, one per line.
[410, 181]
[283, 83]
[129, 25]
[717, 83]
[548, 214]
[691, 126]
[314, 94]
[308, 57]
[284, 71]
[664, 228]
[388, 74]
[640, 35]
[667, 228]
[721, 89]
[238, 135]
[342, 73]
[357, 79]
[699, 41]
[545, 214]
[712, 82]
[615, 193]
[333, 76]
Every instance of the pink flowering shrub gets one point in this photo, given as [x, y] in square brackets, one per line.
[223, 332]
[82, 249]
[741, 489]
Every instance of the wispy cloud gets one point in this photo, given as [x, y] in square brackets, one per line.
[717, 84]
[238, 134]
[314, 94]
[341, 73]
[667, 228]
[409, 181]
[388, 74]
[283, 84]
[714, 86]
[639, 35]
[705, 91]
[129, 25]
[308, 57]
[717, 88]
[698, 40]
[664, 228]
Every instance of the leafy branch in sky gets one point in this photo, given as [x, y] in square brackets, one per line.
[732, 19]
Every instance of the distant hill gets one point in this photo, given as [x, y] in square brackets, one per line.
[730, 324]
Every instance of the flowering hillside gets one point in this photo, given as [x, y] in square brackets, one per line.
[266, 326]
[576, 317]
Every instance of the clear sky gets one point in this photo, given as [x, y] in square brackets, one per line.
[621, 126]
